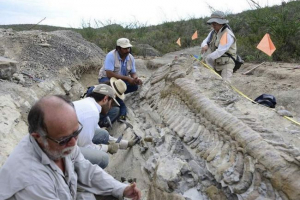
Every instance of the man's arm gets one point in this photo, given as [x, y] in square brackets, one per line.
[221, 48]
[94, 179]
[44, 190]
[204, 45]
[137, 81]
[128, 79]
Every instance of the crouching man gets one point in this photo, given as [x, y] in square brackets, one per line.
[47, 163]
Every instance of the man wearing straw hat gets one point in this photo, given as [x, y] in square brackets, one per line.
[220, 44]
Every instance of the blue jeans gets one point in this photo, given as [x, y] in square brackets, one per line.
[95, 156]
[130, 88]
[101, 136]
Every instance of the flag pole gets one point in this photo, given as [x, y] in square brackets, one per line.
[247, 72]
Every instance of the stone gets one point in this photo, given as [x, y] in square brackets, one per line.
[7, 68]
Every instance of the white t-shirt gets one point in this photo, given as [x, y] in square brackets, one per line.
[88, 111]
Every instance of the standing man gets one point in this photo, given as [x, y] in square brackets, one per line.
[94, 141]
[47, 163]
[218, 45]
[120, 64]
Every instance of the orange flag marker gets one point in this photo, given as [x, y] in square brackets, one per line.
[266, 45]
[223, 40]
[178, 42]
[195, 35]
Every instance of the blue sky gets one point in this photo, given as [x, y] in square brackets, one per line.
[71, 13]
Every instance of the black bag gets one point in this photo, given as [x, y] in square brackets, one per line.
[266, 100]
[238, 61]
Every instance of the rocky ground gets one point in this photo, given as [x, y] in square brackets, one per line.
[167, 168]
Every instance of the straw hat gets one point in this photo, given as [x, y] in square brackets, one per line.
[119, 86]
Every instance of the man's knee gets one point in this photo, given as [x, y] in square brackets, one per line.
[95, 156]
[104, 161]
[101, 136]
[131, 88]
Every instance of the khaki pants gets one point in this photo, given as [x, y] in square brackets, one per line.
[225, 70]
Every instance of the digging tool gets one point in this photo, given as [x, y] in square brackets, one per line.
[128, 125]
[109, 122]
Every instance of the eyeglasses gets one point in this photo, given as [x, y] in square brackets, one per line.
[67, 139]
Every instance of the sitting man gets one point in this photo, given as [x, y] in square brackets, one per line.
[94, 141]
[120, 64]
[47, 163]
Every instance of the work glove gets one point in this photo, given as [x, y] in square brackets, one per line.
[113, 148]
[131, 143]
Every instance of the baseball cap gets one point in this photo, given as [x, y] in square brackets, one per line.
[106, 90]
[124, 43]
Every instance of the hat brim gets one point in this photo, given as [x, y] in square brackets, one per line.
[125, 46]
[217, 20]
[112, 80]
[116, 101]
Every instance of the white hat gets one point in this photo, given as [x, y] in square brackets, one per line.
[218, 17]
[119, 86]
[106, 90]
[124, 43]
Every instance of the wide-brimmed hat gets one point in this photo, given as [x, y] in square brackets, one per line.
[106, 90]
[218, 17]
[124, 43]
[119, 86]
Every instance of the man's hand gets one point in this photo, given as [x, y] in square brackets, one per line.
[132, 142]
[113, 148]
[204, 49]
[131, 81]
[132, 191]
[138, 81]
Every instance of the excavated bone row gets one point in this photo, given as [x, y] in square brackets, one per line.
[286, 179]
[173, 121]
[180, 125]
[193, 144]
[171, 115]
[237, 170]
[204, 143]
[160, 74]
[196, 135]
[182, 130]
[212, 145]
[247, 177]
[220, 160]
[215, 151]
[228, 163]
[163, 105]
[190, 133]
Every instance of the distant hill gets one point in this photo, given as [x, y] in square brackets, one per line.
[26, 27]
[281, 22]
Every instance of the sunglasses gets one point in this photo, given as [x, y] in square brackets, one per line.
[67, 139]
